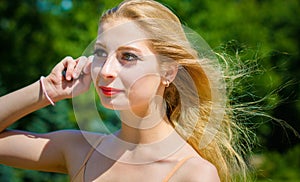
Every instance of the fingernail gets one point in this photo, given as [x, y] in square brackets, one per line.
[75, 75]
[91, 57]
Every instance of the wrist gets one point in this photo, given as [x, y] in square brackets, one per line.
[45, 90]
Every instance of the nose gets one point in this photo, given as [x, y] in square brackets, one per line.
[109, 69]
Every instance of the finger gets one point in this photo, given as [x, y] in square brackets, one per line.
[69, 66]
[61, 69]
[63, 64]
[81, 62]
[87, 67]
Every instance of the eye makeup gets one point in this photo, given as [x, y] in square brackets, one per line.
[99, 52]
[124, 54]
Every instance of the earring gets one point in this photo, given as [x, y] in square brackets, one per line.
[167, 83]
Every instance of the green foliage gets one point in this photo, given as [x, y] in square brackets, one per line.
[48, 119]
[36, 34]
[8, 174]
[267, 32]
[274, 166]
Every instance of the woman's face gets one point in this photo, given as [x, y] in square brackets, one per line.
[124, 70]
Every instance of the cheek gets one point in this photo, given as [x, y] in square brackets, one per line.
[143, 70]
[144, 89]
[142, 81]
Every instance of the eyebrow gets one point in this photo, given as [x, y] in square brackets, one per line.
[126, 48]
[99, 44]
[121, 48]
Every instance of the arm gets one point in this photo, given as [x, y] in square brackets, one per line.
[31, 98]
[32, 151]
[20, 103]
[40, 151]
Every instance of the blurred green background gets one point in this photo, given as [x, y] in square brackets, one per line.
[36, 34]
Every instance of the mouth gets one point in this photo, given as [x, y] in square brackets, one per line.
[109, 91]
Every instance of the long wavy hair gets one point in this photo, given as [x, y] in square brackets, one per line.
[196, 100]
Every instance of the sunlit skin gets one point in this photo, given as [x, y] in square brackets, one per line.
[125, 64]
[127, 77]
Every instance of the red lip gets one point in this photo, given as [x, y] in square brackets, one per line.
[109, 91]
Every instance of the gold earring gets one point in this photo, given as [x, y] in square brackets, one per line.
[167, 83]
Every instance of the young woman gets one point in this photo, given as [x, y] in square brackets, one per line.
[176, 125]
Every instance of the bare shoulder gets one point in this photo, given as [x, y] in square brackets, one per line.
[76, 144]
[75, 140]
[54, 152]
[198, 169]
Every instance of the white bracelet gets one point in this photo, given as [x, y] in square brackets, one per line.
[45, 92]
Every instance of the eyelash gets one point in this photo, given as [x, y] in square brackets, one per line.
[129, 57]
[123, 57]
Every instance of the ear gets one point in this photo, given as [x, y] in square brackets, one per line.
[169, 74]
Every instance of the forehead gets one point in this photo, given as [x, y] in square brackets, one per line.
[116, 33]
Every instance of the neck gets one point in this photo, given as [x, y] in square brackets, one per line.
[147, 132]
[146, 136]
[137, 146]
[144, 125]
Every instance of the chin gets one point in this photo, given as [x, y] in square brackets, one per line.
[110, 104]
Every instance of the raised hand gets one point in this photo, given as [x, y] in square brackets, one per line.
[69, 78]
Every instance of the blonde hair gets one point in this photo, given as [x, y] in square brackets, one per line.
[196, 99]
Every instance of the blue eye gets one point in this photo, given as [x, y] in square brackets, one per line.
[129, 57]
[100, 53]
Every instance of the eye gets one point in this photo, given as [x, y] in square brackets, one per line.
[130, 57]
[100, 53]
